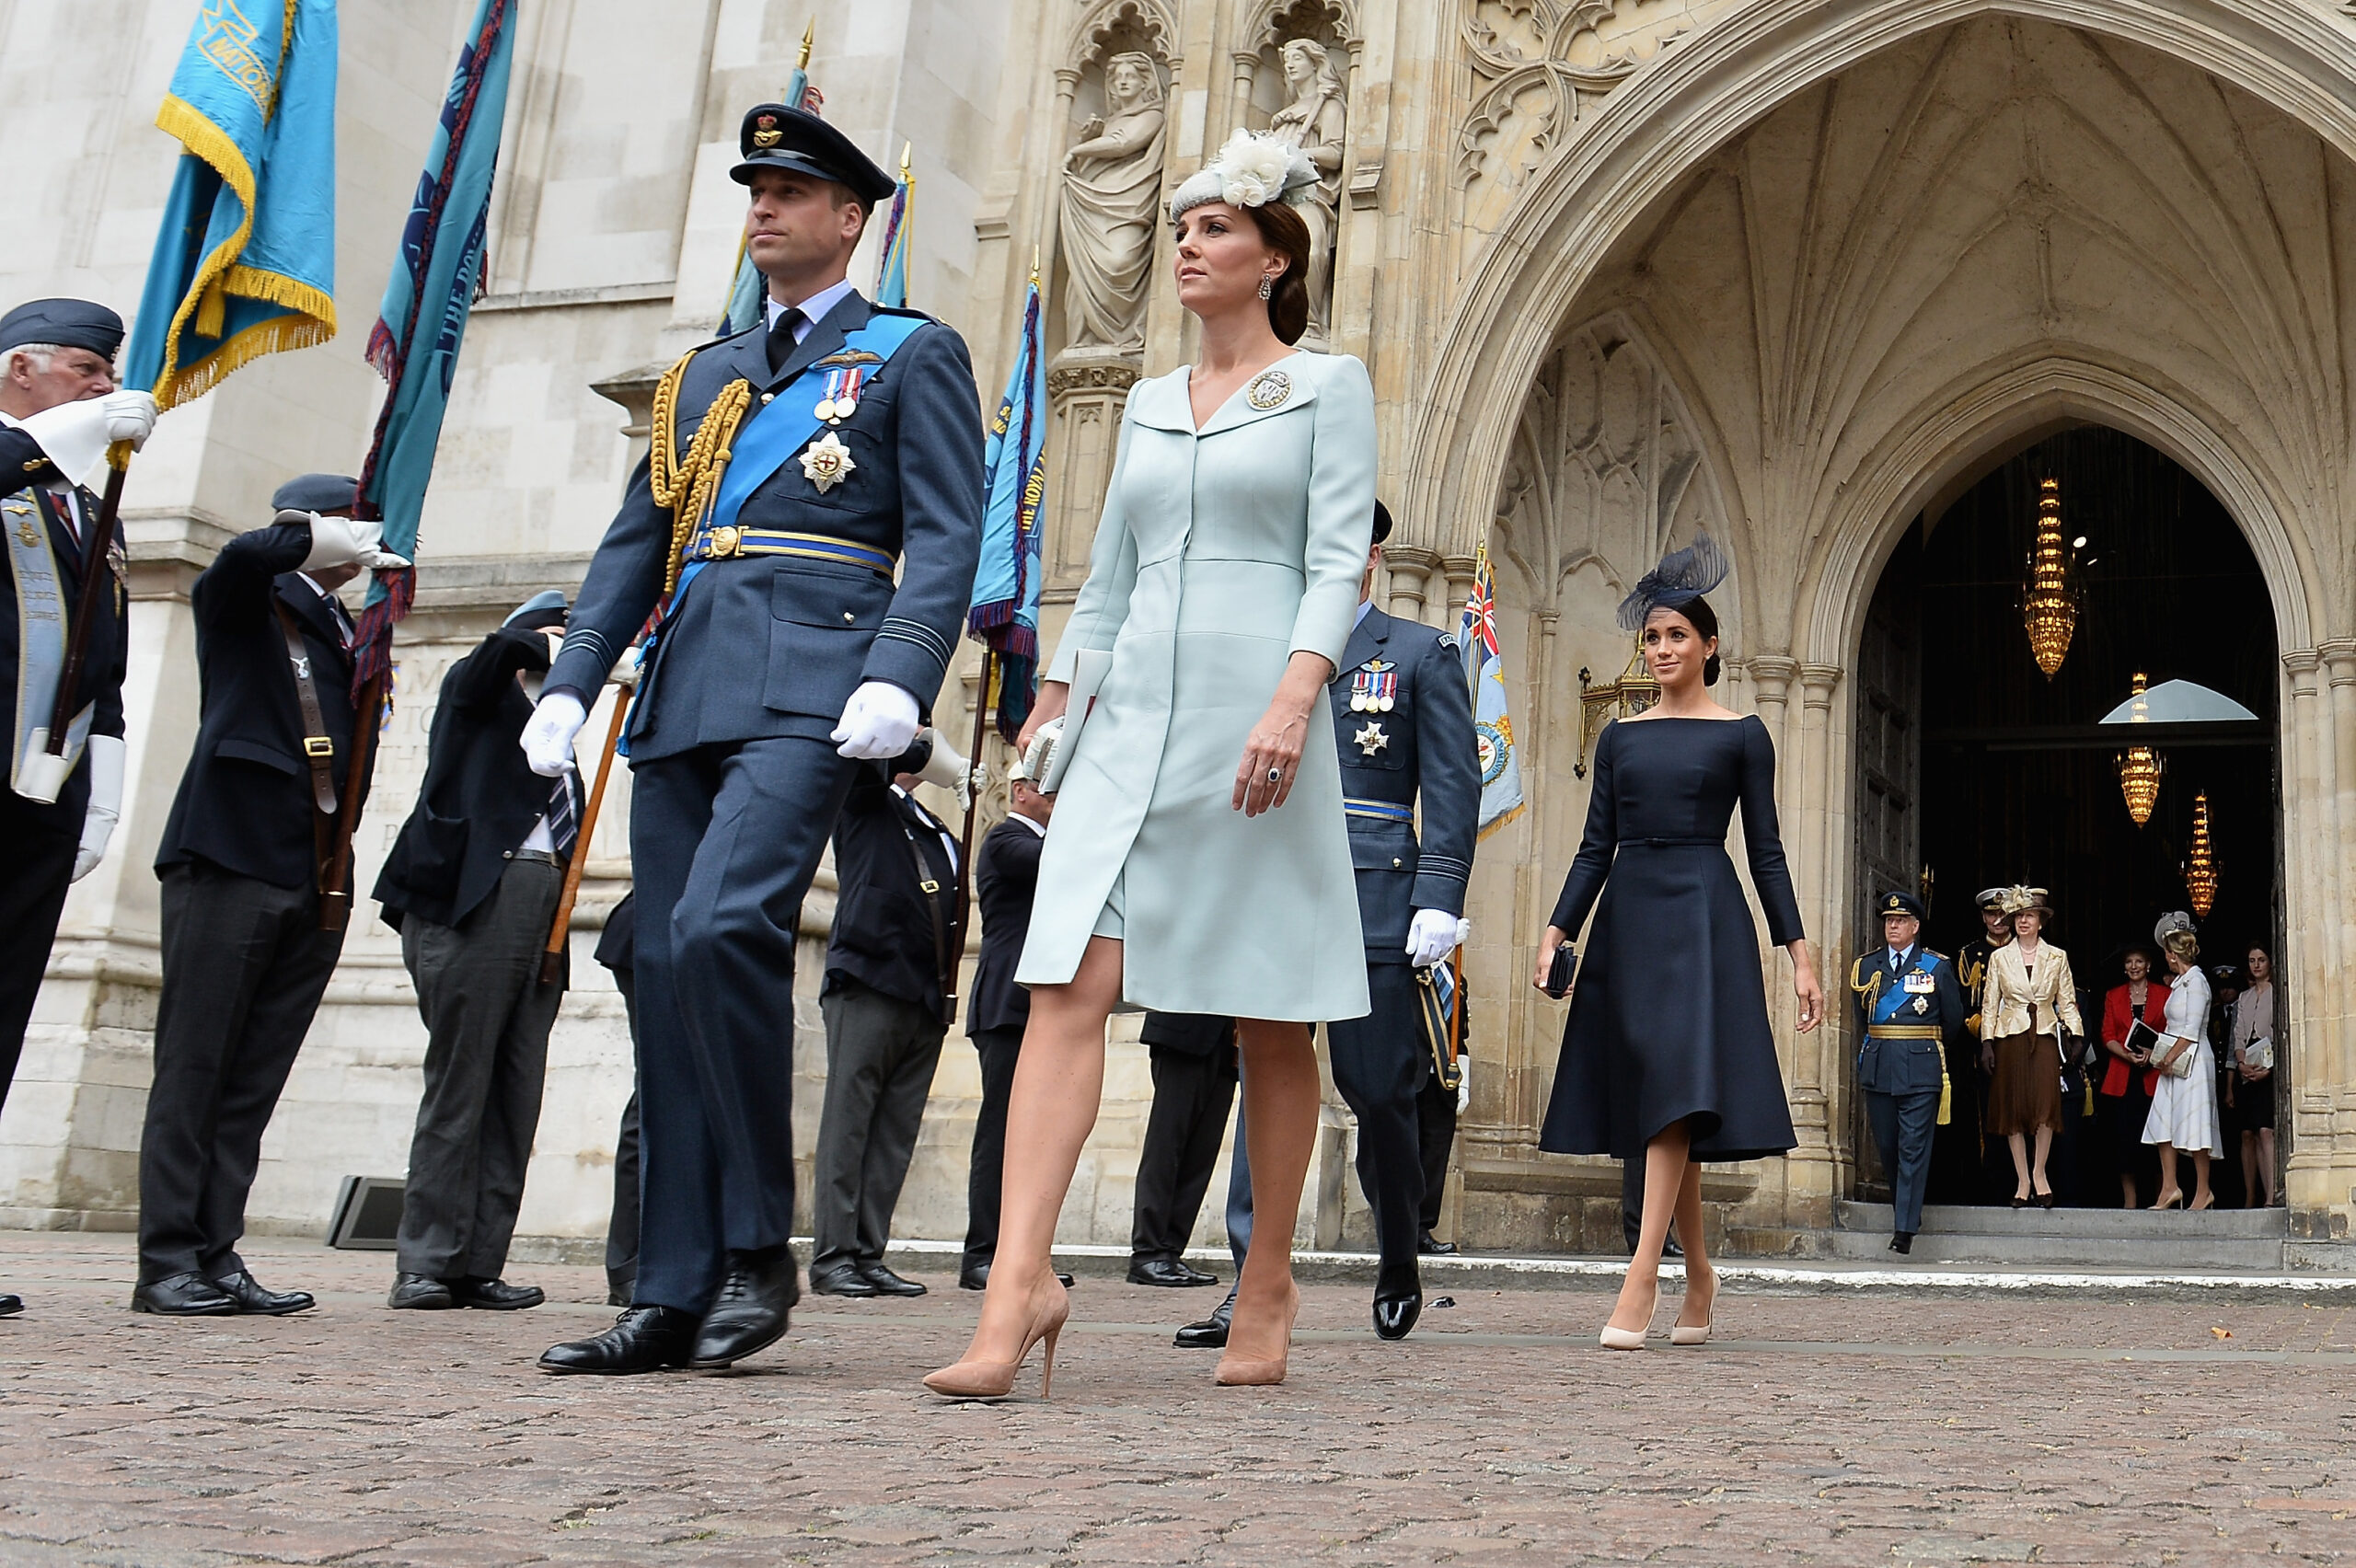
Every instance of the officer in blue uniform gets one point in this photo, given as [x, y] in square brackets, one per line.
[795, 468]
[1910, 1013]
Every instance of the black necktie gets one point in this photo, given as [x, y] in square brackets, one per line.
[564, 826]
[781, 339]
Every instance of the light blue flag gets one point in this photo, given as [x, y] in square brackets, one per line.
[244, 263]
[891, 277]
[1485, 668]
[1005, 613]
[749, 289]
[423, 319]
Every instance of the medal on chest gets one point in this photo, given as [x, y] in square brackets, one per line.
[1372, 739]
[826, 462]
[841, 400]
[1374, 688]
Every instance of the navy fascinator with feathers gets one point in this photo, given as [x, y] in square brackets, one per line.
[1683, 577]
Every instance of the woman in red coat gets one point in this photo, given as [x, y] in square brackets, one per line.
[2125, 1092]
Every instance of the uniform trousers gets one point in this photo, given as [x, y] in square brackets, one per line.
[1434, 1135]
[487, 1021]
[621, 1230]
[1902, 1126]
[42, 841]
[725, 841]
[986, 1171]
[881, 1051]
[1379, 1065]
[1193, 1091]
[245, 966]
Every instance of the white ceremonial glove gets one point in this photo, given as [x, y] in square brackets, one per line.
[106, 754]
[1463, 932]
[1463, 1084]
[949, 770]
[628, 667]
[1431, 938]
[878, 723]
[547, 735]
[344, 541]
[75, 435]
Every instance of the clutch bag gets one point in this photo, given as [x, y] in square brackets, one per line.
[2142, 1036]
[1559, 973]
[2259, 1053]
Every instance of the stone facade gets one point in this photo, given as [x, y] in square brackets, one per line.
[1791, 269]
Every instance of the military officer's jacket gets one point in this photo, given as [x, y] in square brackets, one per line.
[25, 503]
[1922, 995]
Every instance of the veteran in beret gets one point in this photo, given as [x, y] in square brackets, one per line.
[59, 410]
[808, 520]
[1910, 1013]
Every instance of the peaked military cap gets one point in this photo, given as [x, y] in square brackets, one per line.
[1382, 522]
[544, 608]
[774, 137]
[69, 323]
[316, 492]
[1895, 903]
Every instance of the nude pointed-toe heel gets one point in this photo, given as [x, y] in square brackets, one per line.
[979, 1378]
[1683, 1333]
[1258, 1371]
[1621, 1339]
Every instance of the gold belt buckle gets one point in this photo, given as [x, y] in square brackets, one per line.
[724, 540]
[318, 746]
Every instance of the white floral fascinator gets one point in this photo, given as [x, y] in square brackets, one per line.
[1251, 170]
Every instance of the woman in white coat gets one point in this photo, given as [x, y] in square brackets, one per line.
[1199, 861]
[2184, 1108]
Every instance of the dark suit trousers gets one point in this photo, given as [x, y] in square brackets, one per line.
[245, 966]
[880, 1054]
[42, 841]
[1379, 1065]
[1902, 1126]
[998, 1049]
[621, 1231]
[1192, 1094]
[1435, 1137]
[725, 841]
[487, 1019]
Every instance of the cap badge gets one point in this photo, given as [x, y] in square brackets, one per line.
[1270, 389]
[826, 463]
[765, 132]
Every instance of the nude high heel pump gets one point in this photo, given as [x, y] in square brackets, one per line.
[1690, 1334]
[1253, 1371]
[1629, 1338]
[974, 1378]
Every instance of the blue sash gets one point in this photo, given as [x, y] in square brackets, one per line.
[1895, 1004]
[41, 633]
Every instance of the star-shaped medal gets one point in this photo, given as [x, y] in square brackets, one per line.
[826, 462]
[1372, 739]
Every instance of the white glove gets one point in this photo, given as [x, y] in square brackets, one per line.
[547, 735]
[75, 435]
[344, 541]
[1432, 938]
[628, 667]
[879, 723]
[106, 754]
[1463, 1084]
[949, 770]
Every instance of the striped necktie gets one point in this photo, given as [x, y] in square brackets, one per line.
[564, 826]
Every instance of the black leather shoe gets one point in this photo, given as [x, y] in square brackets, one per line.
[11, 1305]
[420, 1293]
[886, 1282]
[495, 1294]
[1394, 1316]
[749, 1315]
[643, 1339]
[1902, 1241]
[841, 1279]
[247, 1293]
[974, 1277]
[1211, 1332]
[187, 1295]
[1168, 1273]
[1432, 1248]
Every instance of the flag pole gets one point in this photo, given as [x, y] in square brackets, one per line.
[93, 564]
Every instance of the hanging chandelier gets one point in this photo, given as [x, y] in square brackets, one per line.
[1635, 691]
[2140, 766]
[2200, 867]
[2049, 603]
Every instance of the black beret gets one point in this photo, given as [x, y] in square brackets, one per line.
[1382, 522]
[316, 492]
[69, 323]
[774, 137]
[1900, 904]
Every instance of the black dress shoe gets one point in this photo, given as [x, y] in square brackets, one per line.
[886, 1282]
[1432, 1248]
[249, 1295]
[1902, 1241]
[187, 1295]
[1211, 1332]
[1168, 1273]
[420, 1293]
[495, 1294]
[1395, 1315]
[11, 1305]
[978, 1277]
[1670, 1249]
[750, 1313]
[841, 1279]
[643, 1339]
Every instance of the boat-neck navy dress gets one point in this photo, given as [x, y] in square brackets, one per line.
[1669, 1019]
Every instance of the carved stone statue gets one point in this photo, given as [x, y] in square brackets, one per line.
[1112, 202]
[1314, 122]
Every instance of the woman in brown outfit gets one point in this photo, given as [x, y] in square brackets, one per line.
[2028, 998]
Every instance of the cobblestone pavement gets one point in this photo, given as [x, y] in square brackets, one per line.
[1852, 1427]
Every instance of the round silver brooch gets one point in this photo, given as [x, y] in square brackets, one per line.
[1270, 389]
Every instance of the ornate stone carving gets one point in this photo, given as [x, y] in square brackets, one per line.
[1314, 119]
[1072, 374]
[1112, 198]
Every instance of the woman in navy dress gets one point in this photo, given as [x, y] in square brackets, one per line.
[1668, 1056]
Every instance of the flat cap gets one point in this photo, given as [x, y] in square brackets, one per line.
[1895, 903]
[69, 323]
[774, 137]
[316, 492]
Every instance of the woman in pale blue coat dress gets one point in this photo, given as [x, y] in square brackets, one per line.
[1199, 861]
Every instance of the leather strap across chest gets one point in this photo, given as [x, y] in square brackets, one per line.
[319, 752]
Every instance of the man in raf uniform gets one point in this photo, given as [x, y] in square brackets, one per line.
[59, 409]
[1402, 718]
[1910, 1010]
[788, 654]
[252, 923]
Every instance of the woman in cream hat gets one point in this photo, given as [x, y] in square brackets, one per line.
[2184, 1106]
[2027, 998]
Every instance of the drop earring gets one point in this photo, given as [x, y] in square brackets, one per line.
[1267, 285]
